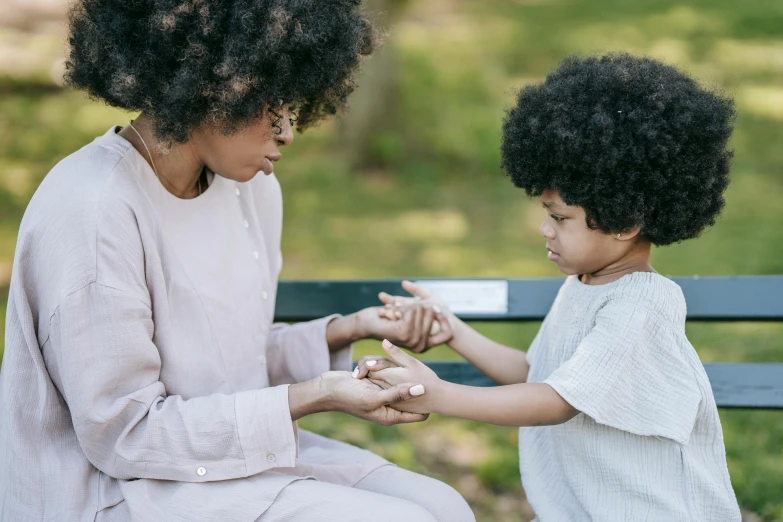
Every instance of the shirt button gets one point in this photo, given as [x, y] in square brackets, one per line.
[236, 191]
[255, 254]
[271, 457]
[264, 295]
[246, 223]
[201, 471]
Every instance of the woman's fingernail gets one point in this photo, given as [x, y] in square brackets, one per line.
[386, 343]
[371, 363]
[417, 390]
[355, 373]
[436, 308]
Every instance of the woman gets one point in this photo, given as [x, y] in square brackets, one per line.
[143, 379]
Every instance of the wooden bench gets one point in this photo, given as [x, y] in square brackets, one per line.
[743, 298]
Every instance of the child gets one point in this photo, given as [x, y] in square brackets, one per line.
[616, 413]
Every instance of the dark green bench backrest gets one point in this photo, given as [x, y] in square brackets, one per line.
[743, 298]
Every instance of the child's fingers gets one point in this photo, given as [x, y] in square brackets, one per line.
[385, 298]
[398, 356]
[394, 300]
[417, 290]
[387, 313]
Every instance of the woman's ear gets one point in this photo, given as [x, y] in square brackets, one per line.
[629, 234]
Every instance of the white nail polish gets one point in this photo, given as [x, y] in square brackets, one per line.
[417, 390]
[355, 373]
[436, 308]
[371, 363]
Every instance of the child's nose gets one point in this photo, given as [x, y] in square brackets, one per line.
[546, 230]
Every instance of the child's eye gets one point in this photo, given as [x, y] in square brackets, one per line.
[557, 218]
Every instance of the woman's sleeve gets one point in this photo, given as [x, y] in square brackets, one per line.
[299, 352]
[129, 427]
[630, 373]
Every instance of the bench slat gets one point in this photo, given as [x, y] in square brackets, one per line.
[734, 385]
[741, 298]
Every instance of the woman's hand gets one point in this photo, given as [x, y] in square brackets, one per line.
[417, 325]
[368, 401]
[401, 368]
[396, 307]
[376, 362]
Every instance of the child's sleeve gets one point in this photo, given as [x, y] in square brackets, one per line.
[631, 373]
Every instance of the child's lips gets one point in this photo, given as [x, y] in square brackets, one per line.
[552, 255]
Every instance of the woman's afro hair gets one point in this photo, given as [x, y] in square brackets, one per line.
[632, 141]
[223, 63]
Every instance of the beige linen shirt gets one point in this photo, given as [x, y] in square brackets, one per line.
[141, 363]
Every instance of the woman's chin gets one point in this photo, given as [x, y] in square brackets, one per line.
[243, 176]
[267, 167]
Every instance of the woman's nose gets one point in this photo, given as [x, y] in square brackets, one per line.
[286, 136]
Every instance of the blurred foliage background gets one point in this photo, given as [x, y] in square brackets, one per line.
[407, 183]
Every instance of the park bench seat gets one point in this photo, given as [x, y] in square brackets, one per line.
[740, 298]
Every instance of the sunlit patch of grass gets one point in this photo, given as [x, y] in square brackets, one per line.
[749, 56]
[765, 101]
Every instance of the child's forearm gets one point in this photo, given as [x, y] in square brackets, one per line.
[534, 404]
[502, 364]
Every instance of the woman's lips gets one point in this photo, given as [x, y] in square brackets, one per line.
[267, 167]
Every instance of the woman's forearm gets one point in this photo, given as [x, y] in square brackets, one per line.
[534, 404]
[342, 331]
[502, 364]
[306, 398]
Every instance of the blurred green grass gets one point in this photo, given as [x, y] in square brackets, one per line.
[439, 206]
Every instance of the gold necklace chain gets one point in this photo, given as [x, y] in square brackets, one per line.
[152, 161]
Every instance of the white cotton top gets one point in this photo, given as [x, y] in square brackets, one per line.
[143, 378]
[647, 445]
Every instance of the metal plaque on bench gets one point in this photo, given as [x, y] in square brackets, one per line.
[474, 297]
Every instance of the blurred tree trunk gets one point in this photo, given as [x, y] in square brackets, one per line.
[373, 106]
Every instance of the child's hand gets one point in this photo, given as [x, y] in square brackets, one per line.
[401, 368]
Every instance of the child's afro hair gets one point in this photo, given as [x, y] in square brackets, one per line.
[631, 140]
